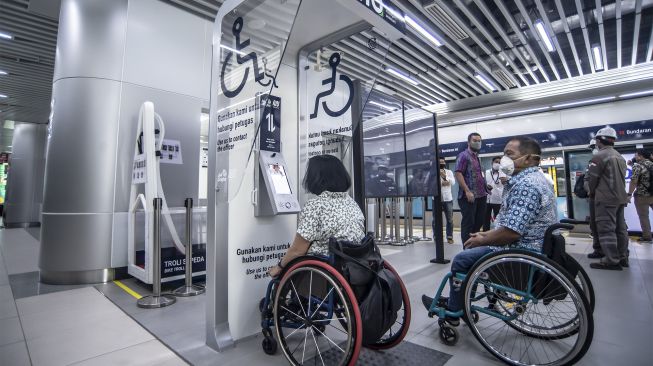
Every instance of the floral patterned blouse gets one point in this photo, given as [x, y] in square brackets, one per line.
[331, 214]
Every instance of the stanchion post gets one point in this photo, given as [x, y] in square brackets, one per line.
[384, 223]
[408, 239]
[156, 300]
[397, 218]
[188, 289]
[424, 202]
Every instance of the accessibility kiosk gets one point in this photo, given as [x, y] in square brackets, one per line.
[271, 53]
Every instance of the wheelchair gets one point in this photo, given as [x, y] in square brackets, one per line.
[312, 312]
[523, 307]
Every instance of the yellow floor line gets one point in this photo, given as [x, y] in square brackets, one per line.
[127, 289]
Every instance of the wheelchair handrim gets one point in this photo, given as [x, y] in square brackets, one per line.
[343, 291]
[576, 350]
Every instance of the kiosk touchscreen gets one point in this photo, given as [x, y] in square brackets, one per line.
[275, 195]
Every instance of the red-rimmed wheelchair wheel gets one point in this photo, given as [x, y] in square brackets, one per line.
[397, 331]
[301, 284]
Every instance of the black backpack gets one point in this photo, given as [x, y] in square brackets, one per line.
[376, 288]
[579, 187]
[649, 185]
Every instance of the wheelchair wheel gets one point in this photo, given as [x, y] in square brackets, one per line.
[531, 312]
[316, 316]
[583, 280]
[397, 331]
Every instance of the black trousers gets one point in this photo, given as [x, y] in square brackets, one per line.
[473, 216]
[491, 210]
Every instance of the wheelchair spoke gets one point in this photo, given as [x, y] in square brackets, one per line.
[317, 347]
[310, 294]
[297, 296]
[325, 297]
[305, 339]
[295, 331]
[329, 339]
[291, 312]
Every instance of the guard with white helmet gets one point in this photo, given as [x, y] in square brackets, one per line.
[607, 188]
[597, 251]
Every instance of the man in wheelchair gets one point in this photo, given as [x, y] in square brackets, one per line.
[528, 209]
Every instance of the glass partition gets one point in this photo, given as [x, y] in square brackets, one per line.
[335, 84]
[251, 48]
[420, 152]
[384, 166]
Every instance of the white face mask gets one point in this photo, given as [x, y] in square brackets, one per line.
[496, 166]
[507, 165]
[595, 151]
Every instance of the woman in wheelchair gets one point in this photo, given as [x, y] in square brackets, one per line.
[332, 214]
[516, 301]
[317, 306]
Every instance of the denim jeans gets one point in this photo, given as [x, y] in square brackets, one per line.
[447, 208]
[473, 215]
[462, 263]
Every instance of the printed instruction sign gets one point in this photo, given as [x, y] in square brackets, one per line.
[139, 174]
[270, 120]
[171, 152]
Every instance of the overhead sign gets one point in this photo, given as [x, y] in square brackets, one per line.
[388, 11]
[628, 131]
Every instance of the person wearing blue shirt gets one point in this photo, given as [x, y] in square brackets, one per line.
[528, 208]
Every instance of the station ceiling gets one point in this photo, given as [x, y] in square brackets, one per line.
[495, 40]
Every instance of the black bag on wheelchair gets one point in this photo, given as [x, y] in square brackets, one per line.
[376, 288]
[554, 249]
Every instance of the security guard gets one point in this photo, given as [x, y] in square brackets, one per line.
[607, 187]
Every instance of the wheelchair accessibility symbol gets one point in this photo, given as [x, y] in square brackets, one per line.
[242, 58]
[334, 60]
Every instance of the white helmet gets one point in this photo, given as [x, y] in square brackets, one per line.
[607, 132]
[592, 143]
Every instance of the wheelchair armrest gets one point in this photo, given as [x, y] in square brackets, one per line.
[549, 231]
[572, 221]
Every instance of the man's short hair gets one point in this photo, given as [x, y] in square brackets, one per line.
[527, 145]
[643, 153]
[469, 137]
[496, 158]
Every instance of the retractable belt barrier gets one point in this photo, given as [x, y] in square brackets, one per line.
[188, 289]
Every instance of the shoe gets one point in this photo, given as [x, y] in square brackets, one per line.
[644, 241]
[624, 263]
[591, 236]
[450, 240]
[607, 266]
[595, 255]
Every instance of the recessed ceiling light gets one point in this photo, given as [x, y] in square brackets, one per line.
[401, 75]
[539, 26]
[386, 107]
[421, 30]
[598, 57]
[485, 81]
[587, 101]
[635, 94]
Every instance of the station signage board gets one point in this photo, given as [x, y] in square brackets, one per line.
[388, 12]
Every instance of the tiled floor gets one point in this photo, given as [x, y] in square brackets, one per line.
[63, 326]
[83, 326]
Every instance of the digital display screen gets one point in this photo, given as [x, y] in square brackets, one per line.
[279, 179]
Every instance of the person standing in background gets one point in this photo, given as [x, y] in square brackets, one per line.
[472, 194]
[597, 253]
[641, 186]
[446, 182]
[607, 185]
[494, 179]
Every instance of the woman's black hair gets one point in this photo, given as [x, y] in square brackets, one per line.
[326, 173]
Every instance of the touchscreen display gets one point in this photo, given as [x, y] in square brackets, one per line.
[279, 179]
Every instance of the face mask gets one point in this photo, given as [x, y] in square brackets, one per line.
[496, 166]
[595, 151]
[475, 145]
[442, 166]
[507, 165]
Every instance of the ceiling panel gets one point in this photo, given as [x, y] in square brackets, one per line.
[495, 38]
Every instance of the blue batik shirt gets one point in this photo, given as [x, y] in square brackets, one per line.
[528, 208]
